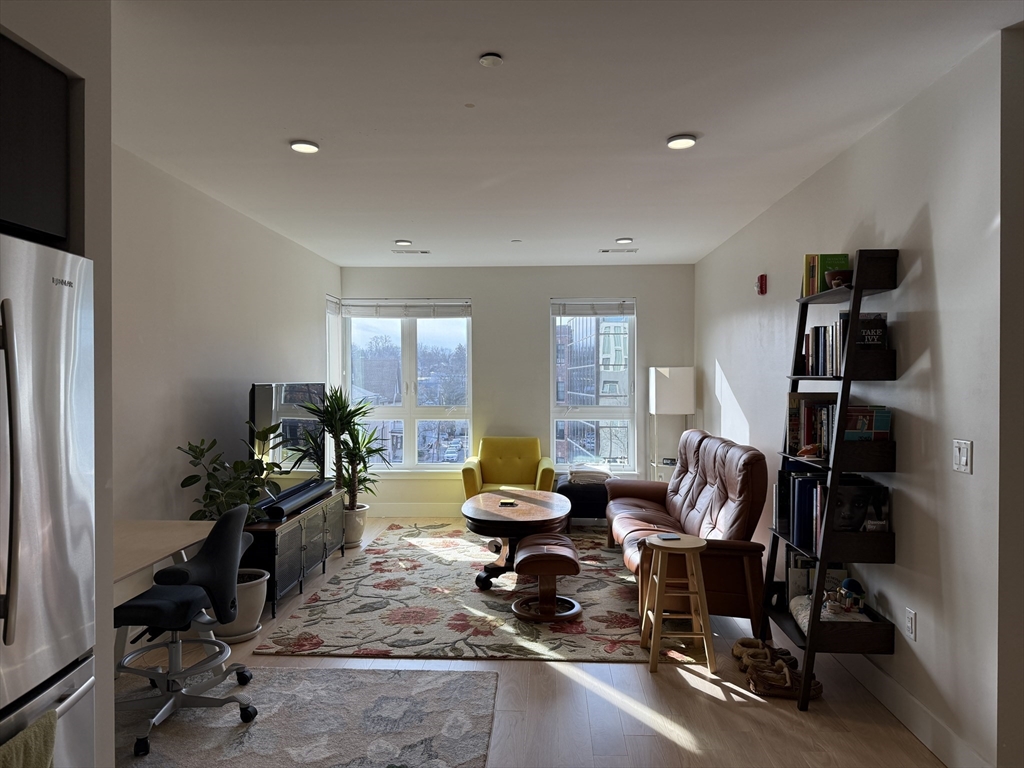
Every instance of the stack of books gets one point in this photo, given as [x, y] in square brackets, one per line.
[812, 417]
[824, 344]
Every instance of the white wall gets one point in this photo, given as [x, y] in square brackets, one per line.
[1011, 402]
[511, 348]
[75, 37]
[206, 301]
[926, 181]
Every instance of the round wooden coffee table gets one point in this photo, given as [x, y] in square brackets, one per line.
[535, 512]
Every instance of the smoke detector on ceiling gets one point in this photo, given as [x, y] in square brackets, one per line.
[491, 60]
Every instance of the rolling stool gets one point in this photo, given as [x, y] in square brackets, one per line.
[546, 556]
[660, 586]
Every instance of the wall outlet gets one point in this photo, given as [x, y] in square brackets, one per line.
[963, 456]
[911, 625]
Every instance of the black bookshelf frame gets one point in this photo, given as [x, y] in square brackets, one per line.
[874, 272]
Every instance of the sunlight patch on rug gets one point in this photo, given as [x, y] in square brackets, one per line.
[411, 593]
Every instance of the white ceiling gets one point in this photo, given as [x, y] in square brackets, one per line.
[565, 147]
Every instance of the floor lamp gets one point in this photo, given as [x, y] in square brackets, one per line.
[670, 392]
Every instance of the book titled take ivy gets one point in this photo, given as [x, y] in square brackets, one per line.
[828, 262]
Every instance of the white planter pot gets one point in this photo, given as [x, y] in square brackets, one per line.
[252, 596]
[355, 522]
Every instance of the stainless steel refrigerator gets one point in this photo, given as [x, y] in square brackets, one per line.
[47, 495]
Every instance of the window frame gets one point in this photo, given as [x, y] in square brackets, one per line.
[410, 413]
[596, 412]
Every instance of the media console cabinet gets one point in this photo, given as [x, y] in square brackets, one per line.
[292, 548]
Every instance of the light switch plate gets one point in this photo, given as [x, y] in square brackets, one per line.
[910, 626]
[963, 456]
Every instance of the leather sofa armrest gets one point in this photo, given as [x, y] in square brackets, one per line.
[545, 475]
[472, 478]
[648, 490]
[725, 547]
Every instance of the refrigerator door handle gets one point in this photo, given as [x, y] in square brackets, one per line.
[9, 602]
[67, 702]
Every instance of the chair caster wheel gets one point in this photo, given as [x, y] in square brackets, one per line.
[248, 713]
[483, 582]
[494, 546]
[142, 747]
[243, 676]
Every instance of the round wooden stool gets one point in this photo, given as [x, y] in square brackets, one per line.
[660, 586]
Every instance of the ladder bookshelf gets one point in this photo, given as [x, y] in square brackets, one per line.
[874, 272]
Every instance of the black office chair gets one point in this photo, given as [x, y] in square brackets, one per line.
[181, 596]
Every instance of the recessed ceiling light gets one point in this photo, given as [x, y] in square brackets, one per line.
[305, 146]
[491, 59]
[403, 242]
[682, 141]
[623, 240]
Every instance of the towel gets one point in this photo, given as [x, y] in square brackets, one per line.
[33, 747]
[588, 473]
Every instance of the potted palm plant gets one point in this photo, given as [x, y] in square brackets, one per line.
[228, 485]
[355, 451]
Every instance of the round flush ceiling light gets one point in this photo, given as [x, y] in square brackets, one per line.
[403, 242]
[491, 59]
[682, 141]
[305, 146]
[623, 240]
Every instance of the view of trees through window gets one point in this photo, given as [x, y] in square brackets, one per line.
[437, 349]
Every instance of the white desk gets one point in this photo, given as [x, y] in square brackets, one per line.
[141, 544]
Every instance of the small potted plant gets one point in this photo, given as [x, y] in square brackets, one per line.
[355, 449]
[228, 485]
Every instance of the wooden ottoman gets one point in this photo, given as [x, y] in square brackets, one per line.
[546, 556]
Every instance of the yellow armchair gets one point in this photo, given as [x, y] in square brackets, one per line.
[510, 461]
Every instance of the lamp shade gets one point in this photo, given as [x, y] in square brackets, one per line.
[671, 391]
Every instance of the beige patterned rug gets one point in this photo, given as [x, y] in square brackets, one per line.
[343, 718]
[411, 593]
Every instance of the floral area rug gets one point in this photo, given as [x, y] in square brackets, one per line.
[342, 718]
[411, 593]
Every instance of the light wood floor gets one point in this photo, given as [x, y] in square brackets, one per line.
[549, 715]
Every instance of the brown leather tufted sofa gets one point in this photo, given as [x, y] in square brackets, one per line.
[717, 492]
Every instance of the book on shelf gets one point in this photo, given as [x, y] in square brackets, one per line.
[810, 283]
[780, 510]
[874, 329]
[868, 423]
[804, 509]
[861, 505]
[828, 262]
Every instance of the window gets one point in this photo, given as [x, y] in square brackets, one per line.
[593, 405]
[412, 361]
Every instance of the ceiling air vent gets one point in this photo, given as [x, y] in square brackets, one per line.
[410, 253]
[618, 250]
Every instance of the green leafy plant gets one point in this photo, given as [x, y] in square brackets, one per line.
[355, 447]
[230, 484]
[312, 450]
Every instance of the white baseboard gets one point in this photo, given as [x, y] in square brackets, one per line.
[919, 720]
[405, 509]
